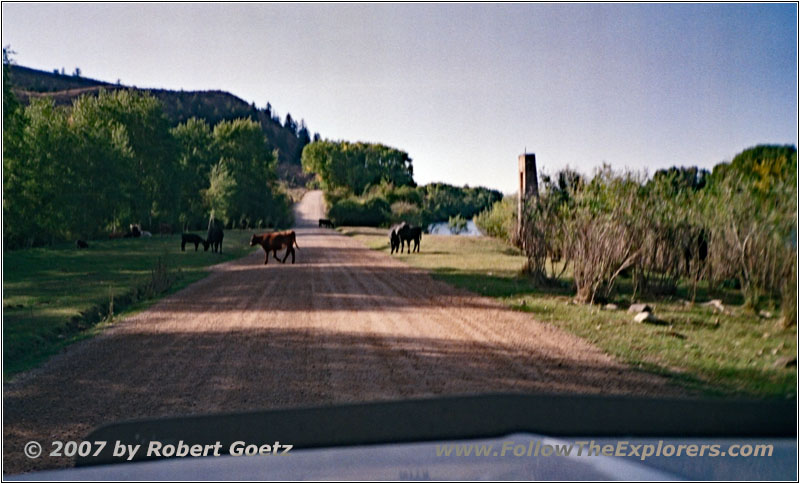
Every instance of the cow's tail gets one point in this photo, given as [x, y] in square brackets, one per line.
[294, 239]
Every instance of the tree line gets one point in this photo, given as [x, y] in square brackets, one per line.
[735, 226]
[372, 184]
[288, 136]
[106, 161]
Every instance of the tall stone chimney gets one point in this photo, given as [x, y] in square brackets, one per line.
[528, 187]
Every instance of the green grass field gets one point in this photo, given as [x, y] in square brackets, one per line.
[57, 295]
[719, 354]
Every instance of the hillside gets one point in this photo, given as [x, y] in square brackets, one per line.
[213, 106]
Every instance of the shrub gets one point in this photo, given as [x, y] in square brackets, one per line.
[499, 221]
[313, 184]
[544, 235]
[789, 293]
[735, 226]
[334, 196]
[373, 212]
[752, 235]
[406, 212]
[457, 224]
[404, 194]
[604, 234]
[394, 194]
[442, 201]
[672, 232]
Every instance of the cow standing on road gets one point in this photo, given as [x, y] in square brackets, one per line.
[274, 242]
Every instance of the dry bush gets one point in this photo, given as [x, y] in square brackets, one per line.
[600, 248]
[789, 293]
[544, 230]
[752, 239]
[674, 241]
[681, 225]
[605, 234]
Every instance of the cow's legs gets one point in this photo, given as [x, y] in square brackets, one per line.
[290, 250]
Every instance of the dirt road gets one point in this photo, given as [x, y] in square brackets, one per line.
[343, 324]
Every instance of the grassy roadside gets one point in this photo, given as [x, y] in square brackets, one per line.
[730, 353]
[55, 296]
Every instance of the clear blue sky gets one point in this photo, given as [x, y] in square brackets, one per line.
[464, 89]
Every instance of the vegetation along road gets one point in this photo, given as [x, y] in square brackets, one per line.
[343, 324]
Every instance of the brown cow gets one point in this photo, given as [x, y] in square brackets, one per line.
[275, 241]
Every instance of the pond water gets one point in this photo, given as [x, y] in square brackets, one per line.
[442, 228]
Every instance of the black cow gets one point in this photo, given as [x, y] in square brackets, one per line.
[394, 238]
[193, 239]
[407, 233]
[81, 244]
[324, 222]
[215, 235]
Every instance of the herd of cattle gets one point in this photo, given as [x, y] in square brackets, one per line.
[400, 236]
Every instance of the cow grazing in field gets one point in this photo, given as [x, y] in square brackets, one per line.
[394, 238]
[193, 239]
[81, 244]
[275, 241]
[324, 222]
[215, 235]
[407, 233]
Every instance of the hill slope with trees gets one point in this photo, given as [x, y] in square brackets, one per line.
[114, 157]
[288, 137]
